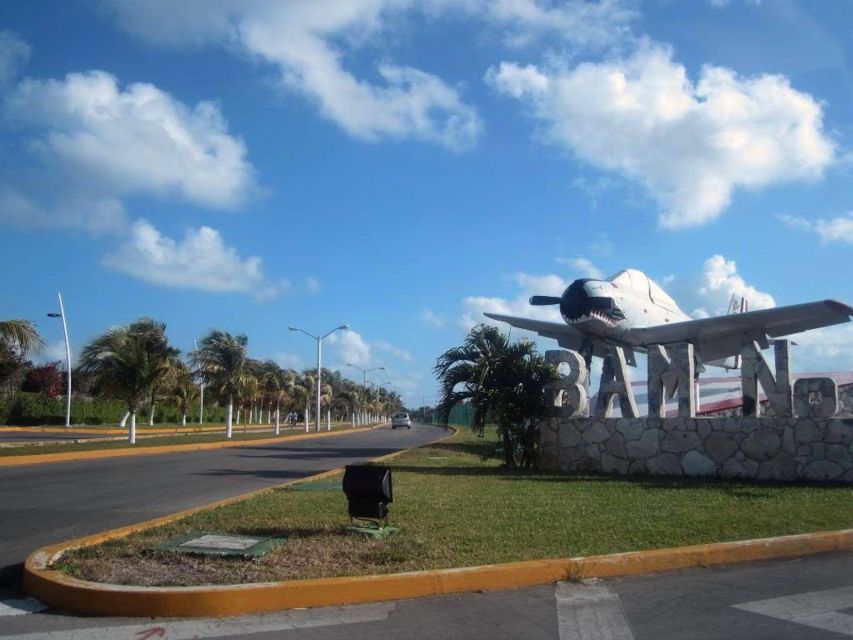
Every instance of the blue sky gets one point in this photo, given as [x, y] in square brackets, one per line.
[403, 166]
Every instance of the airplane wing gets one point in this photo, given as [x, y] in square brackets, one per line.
[723, 336]
[567, 337]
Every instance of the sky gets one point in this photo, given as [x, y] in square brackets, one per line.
[403, 166]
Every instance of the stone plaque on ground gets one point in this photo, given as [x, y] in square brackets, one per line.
[219, 543]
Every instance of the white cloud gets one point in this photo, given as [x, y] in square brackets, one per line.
[719, 281]
[583, 266]
[14, 53]
[201, 260]
[548, 285]
[839, 229]
[395, 352]
[309, 42]
[111, 142]
[350, 347]
[290, 361]
[580, 23]
[689, 144]
[312, 285]
[432, 319]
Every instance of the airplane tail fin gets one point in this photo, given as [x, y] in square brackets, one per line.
[737, 305]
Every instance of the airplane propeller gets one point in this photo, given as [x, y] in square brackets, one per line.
[542, 301]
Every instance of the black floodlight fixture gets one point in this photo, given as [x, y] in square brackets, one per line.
[54, 315]
[368, 491]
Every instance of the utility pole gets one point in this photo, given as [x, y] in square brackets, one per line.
[319, 340]
[61, 314]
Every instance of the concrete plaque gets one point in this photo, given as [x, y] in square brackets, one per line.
[220, 543]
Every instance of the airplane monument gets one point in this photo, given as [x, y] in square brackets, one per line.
[799, 436]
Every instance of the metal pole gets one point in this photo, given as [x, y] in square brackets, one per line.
[201, 394]
[67, 360]
[319, 378]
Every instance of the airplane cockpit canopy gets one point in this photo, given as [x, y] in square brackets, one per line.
[641, 283]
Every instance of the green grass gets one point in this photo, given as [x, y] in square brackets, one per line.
[153, 441]
[456, 506]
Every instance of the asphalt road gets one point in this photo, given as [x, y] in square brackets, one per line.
[48, 503]
[801, 599]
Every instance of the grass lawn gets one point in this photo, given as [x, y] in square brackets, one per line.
[456, 507]
[156, 441]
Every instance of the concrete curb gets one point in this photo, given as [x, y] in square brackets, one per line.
[71, 594]
[71, 456]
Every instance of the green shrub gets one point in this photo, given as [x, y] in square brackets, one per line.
[30, 409]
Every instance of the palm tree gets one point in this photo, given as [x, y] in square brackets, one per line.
[128, 362]
[21, 334]
[184, 391]
[221, 361]
[500, 378]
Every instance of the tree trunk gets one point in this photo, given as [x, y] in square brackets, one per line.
[131, 432]
[238, 415]
[306, 417]
[228, 416]
[123, 422]
[151, 417]
[184, 420]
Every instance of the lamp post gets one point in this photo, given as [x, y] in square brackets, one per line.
[61, 314]
[201, 394]
[319, 340]
[364, 372]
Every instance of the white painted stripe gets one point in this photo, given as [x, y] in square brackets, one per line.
[590, 612]
[819, 609]
[219, 627]
[20, 606]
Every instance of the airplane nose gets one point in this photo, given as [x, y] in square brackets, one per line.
[583, 298]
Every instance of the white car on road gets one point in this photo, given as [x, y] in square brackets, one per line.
[401, 420]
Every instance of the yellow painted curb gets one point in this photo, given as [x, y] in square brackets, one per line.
[80, 596]
[71, 456]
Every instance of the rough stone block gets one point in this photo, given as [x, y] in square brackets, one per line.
[762, 444]
[703, 428]
[611, 464]
[782, 467]
[733, 468]
[569, 435]
[822, 470]
[616, 445]
[664, 464]
[643, 448]
[836, 431]
[695, 464]
[680, 441]
[597, 432]
[721, 446]
[839, 455]
[630, 428]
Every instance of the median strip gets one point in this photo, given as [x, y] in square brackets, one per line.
[16, 458]
[466, 525]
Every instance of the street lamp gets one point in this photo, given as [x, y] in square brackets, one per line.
[364, 372]
[61, 314]
[319, 340]
[201, 393]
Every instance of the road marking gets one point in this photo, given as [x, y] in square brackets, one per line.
[590, 612]
[819, 609]
[20, 606]
[219, 627]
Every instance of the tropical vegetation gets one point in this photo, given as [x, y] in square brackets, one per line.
[504, 382]
[134, 368]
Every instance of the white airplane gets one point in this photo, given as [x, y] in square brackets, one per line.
[630, 310]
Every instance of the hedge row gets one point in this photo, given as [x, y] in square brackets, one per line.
[37, 409]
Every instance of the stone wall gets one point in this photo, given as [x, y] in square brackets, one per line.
[815, 449]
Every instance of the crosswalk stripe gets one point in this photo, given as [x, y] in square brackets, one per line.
[219, 627]
[20, 606]
[818, 609]
[590, 612]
